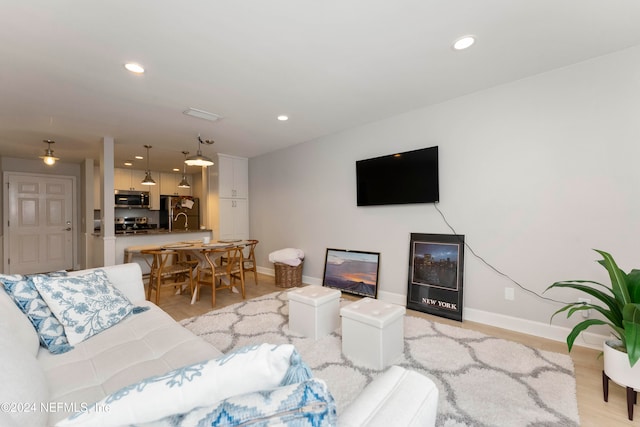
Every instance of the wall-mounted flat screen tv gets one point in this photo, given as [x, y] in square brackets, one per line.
[400, 178]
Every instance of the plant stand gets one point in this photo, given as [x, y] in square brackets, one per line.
[618, 370]
[632, 395]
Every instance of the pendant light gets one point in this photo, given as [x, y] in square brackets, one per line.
[147, 174]
[199, 159]
[48, 157]
[184, 183]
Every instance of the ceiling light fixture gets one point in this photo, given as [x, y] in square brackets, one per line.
[139, 157]
[147, 174]
[134, 68]
[184, 183]
[199, 159]
[283, 118]
[464, 42]
[128, 163]
[201, 114]
[48, 157]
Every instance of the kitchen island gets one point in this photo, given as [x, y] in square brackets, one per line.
[154, 238]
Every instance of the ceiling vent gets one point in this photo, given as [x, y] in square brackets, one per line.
[201, 114]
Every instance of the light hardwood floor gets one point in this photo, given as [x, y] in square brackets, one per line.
[588, 366]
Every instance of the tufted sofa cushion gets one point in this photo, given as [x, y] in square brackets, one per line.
[142, 345]
[23, 384]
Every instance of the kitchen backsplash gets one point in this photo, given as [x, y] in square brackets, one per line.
[151, 215]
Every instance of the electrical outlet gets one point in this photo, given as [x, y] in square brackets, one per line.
[509, 295]
[585, 313]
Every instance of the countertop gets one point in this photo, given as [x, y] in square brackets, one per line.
[153, 232]
[159, 238]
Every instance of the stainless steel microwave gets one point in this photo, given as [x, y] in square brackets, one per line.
[131, 199]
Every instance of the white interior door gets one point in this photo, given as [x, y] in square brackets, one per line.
[40, 225]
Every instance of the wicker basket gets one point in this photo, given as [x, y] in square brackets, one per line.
[288, 276]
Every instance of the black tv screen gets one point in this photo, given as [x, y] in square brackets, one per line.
[401, 178]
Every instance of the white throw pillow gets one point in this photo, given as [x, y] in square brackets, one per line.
[246, 370]
[85, 305]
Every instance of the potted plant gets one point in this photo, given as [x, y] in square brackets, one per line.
[621, 311]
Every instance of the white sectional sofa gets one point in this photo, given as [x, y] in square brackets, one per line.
[39, 388]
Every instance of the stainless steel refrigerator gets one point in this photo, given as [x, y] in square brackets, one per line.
[179, 213]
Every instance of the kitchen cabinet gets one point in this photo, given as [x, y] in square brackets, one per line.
[131, 179]
[228, 197]
[169, 184]
[234, 219]
[233, 176]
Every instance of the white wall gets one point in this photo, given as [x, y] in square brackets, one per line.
[534, 173]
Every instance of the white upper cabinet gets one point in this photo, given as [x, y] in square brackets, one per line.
[233, 177]
[122, 179]
[129, 179]
[169, 184]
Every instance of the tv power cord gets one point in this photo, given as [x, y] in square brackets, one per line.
[496, 270]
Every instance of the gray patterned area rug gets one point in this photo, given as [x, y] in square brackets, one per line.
[483, 381]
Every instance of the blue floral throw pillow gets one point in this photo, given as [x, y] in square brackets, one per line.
[24, 293]
[85, 305]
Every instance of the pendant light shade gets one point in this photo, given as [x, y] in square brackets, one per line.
[199, 159]
[49, 158]
[184, 183]
[147, 174]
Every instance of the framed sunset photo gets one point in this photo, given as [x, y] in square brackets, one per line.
[353, 272]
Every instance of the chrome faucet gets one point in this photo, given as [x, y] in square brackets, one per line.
[186, 220]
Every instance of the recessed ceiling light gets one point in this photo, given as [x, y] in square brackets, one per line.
[139, 157]
[128, 164]
[134, 68]
[464, 42]
[176, 170]
[283, 118]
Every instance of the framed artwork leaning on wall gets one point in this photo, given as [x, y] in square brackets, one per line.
[352, 272]
[436, 266]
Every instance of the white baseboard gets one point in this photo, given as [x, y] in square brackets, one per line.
[538, 329]
[516, 324]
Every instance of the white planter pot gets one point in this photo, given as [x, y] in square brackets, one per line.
[618, 369]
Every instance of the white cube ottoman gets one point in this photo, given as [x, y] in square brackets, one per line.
[314, 311]
[372, 332]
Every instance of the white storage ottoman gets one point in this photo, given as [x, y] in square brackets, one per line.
[314, 311]
[372, 332]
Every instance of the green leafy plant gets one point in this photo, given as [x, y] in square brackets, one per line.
[620, 309]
